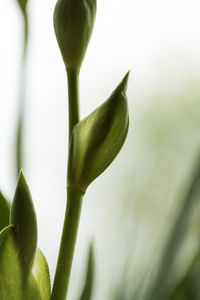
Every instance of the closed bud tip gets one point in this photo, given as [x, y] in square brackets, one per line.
[122, 86]
[23, 217]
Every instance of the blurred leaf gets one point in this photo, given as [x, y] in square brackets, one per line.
[89, 279]
[3, 232]
[17, 280]
[19, 159]
[4, 211]
[40, 272]
[19, 145]
[176, 237]
[119, 292]
[97, 139]
[24, 218]
[19, 132]
[23, 7]
[188, 287]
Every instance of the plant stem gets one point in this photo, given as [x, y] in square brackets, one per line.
[74, 204]
[21, 109]
[73, 98]
[26, 33]
[67, 244]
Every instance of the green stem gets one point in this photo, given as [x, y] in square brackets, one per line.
[26, 32]
[22, 84]
[67, 245]
[73, 209]
[73, 98]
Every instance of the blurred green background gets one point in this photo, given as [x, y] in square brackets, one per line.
[130, 210]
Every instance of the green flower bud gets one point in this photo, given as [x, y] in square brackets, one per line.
[97, 139]
[73, 23]
[23, 217]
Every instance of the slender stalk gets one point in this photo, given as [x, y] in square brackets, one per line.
[73, 98]
[26, 32]
[67, 245]
[21, 105]
[73, 209]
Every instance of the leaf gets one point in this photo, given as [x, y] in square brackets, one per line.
[20, 121]
[4, 211]
[19, 143]
[24, 218]
[3, 232]
[188, 287]
[89, 280]
[176, 236]
[17, 280]
[40, 271]
[97, 139]
[11, 268]
[22, 5]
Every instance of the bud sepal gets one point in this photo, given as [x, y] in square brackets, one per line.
[97, 139]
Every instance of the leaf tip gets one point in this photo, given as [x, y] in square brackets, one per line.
[21, 175]
[125, 81]
[122, 87]
[22, 183]
[23, 217]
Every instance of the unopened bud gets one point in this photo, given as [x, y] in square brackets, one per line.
[23, 217]
[97, 139]
[73, 23]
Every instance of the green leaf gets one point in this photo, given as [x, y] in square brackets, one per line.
[3, 233]
[19, 159]
[17, 280]
[4, 211]
[160, 286]
[19, 143]
[22, 5]
[188, 287]
[24, 218]
[73, 23]
[89, 280]
[40, 272]
[12, 267]
[97, 139]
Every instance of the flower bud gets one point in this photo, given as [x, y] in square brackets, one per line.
[73, 23]
[97, 139]
[24, 219]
